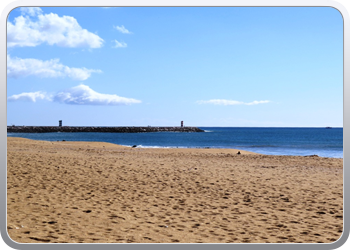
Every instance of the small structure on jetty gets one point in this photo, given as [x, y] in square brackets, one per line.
[50, 129]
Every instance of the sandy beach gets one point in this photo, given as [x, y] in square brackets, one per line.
[93, 192]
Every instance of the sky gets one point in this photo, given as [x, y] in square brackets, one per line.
[158, 66]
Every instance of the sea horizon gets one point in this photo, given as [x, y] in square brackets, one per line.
[298, 141]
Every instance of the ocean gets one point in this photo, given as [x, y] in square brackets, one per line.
[270, 141]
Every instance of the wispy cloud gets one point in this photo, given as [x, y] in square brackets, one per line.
[18, 67]
[119, 44]
[230, 102]
[84, 95]
[33, 28]
[30, 97]
[122, 29]
[78, 95]
[31, 11]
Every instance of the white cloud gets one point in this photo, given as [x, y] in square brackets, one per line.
[230, 102]
[256, 102]
[122, 29]
[119, 44]
[18, 67]
[49, 28]
[84, 95]
[31, 11]
[30, 96]
[78, 95]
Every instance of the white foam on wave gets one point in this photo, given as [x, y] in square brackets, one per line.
[141, 146]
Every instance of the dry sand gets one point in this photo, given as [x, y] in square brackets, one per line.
[99, 192]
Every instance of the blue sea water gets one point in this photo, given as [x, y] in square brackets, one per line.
[271, 141]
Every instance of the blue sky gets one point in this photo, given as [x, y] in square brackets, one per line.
[206, 66]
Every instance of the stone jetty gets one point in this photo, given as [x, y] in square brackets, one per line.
[50, 129]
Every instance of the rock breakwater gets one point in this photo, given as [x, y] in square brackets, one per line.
[50, 129]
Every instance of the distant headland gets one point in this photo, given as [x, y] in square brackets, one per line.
[50, 129]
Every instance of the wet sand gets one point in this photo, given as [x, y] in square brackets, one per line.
[104, 193]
